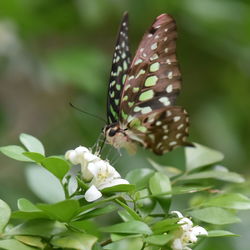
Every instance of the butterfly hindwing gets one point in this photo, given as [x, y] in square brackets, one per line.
[161, 130]
[154, 79]
[120, 65]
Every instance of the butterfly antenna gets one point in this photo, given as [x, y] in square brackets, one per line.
[87, 113]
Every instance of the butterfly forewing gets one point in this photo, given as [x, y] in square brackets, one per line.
[153, 79]
[120, 65]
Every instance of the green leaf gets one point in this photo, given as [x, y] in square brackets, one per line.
[200, 156]
[188, 189]
[159, 240]
[119, 188]
[31, 241]
[97, 212]
[165, 225]
[86, 226]
[158, 184]
[32, 143]
[14, 152]
[38, 227]
[12, 244]
[26, 205]
[129, 210]
[75, 240]
[139, 177]
[146, 205]
[129, 227]
[56, 166]
[125, 244]
[62, 211]
[29, 215]
[231, 200]
[44, 184]
[5, 213]
[215, 174]
[125, 215]
[167, 170]
[220, 233]
[215, 215]
[36, 157]
[116, 237]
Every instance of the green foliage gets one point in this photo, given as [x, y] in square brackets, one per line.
[144, 205]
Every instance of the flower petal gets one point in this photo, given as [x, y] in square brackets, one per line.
[81, 150]
[179, 214]
[113, 182]
[90, 157]
[92, 194]
[198, 230]
[71, 156]
[177, 244]
[186, 223]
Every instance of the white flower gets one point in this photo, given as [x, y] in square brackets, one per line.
[187, 234]
[94, 169]
[104, 175]
[81, 155]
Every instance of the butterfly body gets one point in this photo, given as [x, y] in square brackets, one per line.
[141, 98]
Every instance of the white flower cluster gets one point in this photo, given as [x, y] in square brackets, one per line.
[187, 233]
[98, 172]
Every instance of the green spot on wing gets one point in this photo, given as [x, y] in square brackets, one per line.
[142, 129]
[147, 95]
[135, 123]
[113, 112]
[124, 116]
[151, 81]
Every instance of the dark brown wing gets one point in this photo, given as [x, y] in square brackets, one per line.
[153, 79]
[120, 65]
[161, 130]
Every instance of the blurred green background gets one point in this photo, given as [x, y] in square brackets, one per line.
[56, 51]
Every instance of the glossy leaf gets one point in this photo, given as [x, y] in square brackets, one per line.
[200, 156]
[62, 211]
[221, 233]
[146, 205]
[215, 174]
[159, 240]
[5, 213]
[74, 240]
[86, 226]
[14, 152]
[119, 188]
[36, 157]
[159, 184]
[125, 244]
[167, 170]
[165, 225]
[32, 143]
[44, 184]
[215, 215]
[98, 212]
[116, 237]
[125, 216]
[56, 166]
[12, 244]
[38, 227]
[31, 241]
[129, 210]
[26, 205]
[139, 177]
[129, 227]
[231, 200]
[29, 215]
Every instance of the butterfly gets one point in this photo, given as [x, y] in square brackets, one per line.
[142, 93]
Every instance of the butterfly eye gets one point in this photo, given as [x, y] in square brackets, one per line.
[112, 132]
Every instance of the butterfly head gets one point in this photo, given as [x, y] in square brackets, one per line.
[119, 137]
